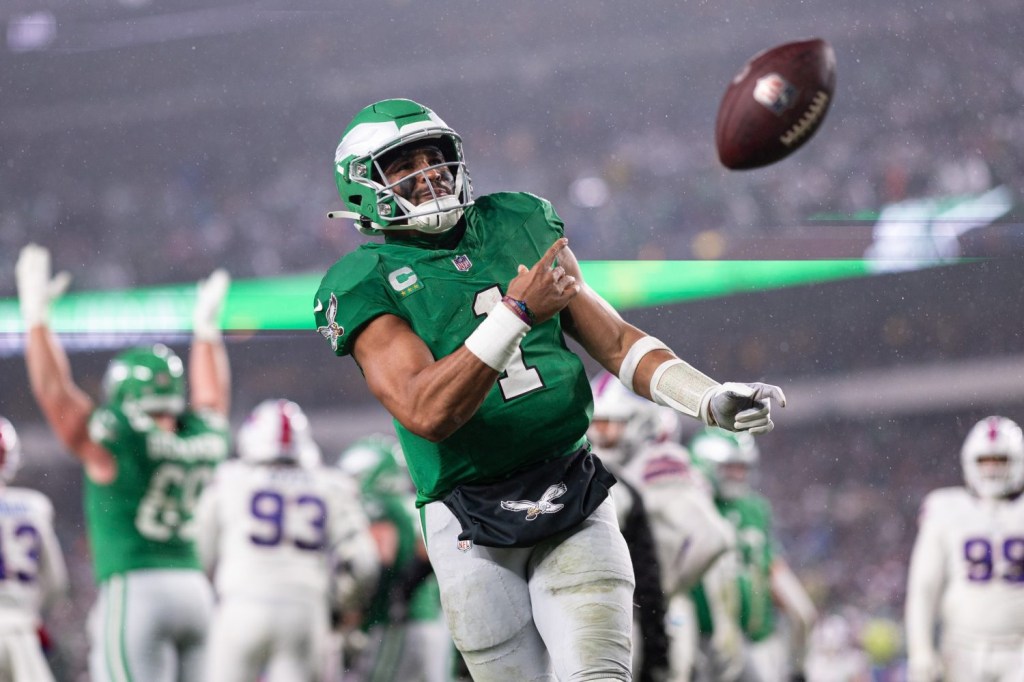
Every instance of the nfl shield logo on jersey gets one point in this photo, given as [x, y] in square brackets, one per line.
[464, 545]
[462, 262]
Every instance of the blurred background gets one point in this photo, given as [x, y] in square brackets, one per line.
[148, 142]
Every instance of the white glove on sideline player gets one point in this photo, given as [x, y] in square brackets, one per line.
[744, 407]
[210, 293]
[36, 290]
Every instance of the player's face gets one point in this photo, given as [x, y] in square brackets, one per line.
[605, 433]
[415, 181]
[993, 467]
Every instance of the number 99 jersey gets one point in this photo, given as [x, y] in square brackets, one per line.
[271, 529]
[969, 556]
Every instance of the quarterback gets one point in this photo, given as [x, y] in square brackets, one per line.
[458, 322]
[146, 456]
[967, 568]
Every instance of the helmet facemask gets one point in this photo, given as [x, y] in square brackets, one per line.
[366, 148]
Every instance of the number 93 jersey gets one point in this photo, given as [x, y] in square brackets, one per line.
[973, 548]
[32, 566]
[143, 519]
[272, 529]
[540, 406]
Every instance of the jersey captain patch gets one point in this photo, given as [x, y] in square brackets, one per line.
[404, 281]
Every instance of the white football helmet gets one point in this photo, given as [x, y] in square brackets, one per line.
[993, 458]
[633, 420]
[732, 458]
[10, 450]
[277, 431]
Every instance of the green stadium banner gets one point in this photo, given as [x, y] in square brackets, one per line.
[286, 303]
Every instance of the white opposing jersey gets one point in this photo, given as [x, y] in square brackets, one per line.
[267, 528]
[967, 566]
[32, 569]
[688, 530]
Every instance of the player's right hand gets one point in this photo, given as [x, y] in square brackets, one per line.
[545, 288]
[36, 289]
[745, 407]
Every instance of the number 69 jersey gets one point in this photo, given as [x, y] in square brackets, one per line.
[143, 518]
[968, 567]
[444, 289]
[275, 528]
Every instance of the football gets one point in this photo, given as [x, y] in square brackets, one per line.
[775, 104]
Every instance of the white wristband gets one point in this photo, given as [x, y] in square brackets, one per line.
[678, 385]
[636, 352]
[497, 338]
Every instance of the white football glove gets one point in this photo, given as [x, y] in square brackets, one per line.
[210, 293]
[744, 407]
[36, 289]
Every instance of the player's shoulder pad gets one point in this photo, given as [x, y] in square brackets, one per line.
[944, 503]
[28, 499]
[523, 204]
[339, 480]
[210, 418]
[109, 422]
[349, 271]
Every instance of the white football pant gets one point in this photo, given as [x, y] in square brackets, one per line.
[285, 639]
[561, 610]
[150, 624]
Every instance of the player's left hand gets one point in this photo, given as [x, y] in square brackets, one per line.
[36, 289]
[210, 293]
[745, 407]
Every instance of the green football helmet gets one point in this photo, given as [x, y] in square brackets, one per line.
[730, 459]
[148, 378]
[378, 463]
[377, 131]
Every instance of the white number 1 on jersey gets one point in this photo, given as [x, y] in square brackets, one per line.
[519, 379]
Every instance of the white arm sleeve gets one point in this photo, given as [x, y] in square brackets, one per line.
[924, 590]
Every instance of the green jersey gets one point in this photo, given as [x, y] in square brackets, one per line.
[443, 288]
[143, 519]
[752, 517]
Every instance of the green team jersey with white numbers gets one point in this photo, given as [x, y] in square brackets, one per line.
[443, 287]
[143, 519]
[751, 516]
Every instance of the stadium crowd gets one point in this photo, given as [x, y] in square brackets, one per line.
[248, 187]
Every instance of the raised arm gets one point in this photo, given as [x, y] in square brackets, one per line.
[433, 398]
[65, 406]
[209, 372]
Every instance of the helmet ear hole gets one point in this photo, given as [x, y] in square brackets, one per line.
[355, 200]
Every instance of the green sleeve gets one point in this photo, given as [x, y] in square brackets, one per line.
[349, 298]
